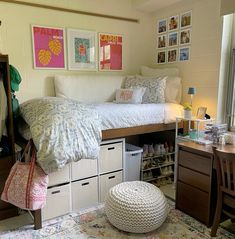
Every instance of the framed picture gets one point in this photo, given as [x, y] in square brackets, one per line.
[201, 112]
[110, 52]
[82, 50]
[161, 57]
[173, 23]
[184, 54]
[172, 55]
[162, 41]
[186, 19]
[185, 36]
[173, 39]
[48, 47]
[162, 26]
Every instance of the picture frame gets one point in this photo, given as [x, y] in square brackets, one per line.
[173, 23]
[172, 55]
[161, 57]
[162, 41]
[185, 36]
[201, 112]
[173, 39]
[162, 26]
[186, 19]
[110, 52]
[82, 50]
[48, 47]
[184, 53]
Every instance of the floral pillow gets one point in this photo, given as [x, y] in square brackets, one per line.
[155, 88]
[130, 95]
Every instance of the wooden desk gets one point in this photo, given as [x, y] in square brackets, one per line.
[196, 184]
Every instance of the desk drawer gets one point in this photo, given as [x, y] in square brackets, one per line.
[193, 201]
[194, 179]
[195, 161]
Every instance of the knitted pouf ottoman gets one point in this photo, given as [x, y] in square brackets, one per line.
[137, 207]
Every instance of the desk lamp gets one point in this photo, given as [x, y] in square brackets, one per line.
[191, 92]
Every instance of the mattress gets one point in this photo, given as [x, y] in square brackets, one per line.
[129, 115]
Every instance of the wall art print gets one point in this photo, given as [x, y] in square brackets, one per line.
[48, 47]
[110, 52]
[82, 50]
[162, 26]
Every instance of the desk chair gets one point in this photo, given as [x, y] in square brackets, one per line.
[225, 170]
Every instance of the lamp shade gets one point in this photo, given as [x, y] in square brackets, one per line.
[191, 90]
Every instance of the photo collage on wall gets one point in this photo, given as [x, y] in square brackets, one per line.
[174, 35]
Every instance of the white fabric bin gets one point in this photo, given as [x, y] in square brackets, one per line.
[133, 155]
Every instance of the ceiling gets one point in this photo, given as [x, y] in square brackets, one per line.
[152, 5]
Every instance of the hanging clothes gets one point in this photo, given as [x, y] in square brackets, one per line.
[3, 110]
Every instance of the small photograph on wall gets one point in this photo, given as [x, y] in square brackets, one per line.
[184, 54]
[186, 19]
[173, 39]
[162, 26]
[48, 47]
[162, 41]
[82, 50]
[173, 23]
[172, 55]
[161, 57]
[110, 52]
[185, 36]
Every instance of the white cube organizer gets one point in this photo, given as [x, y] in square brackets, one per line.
[110, 158]
[60, 177]
[107, 181]
[58, 202]
[84, 168]
[84, 193]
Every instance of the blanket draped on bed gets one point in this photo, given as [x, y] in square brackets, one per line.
[63, 130]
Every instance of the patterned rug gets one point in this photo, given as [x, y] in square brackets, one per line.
[93, 223]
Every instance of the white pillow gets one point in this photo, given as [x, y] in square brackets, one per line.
[130, 96]
[155, 88]
[147, 71]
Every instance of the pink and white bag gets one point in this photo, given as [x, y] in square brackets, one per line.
[26, 185]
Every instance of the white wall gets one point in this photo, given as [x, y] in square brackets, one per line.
[15, 37]
[202, 71]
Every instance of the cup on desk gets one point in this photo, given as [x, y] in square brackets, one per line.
[193, 134]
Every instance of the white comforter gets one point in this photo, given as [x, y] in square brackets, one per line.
[127, 115]
[63, 130]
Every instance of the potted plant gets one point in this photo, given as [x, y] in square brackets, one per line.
[187, 111]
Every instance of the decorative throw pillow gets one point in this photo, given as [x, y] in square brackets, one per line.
[155, 88]
[130, 96]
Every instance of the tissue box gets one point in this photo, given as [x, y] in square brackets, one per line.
[229, 138]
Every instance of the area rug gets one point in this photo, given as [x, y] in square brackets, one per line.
[93, 223]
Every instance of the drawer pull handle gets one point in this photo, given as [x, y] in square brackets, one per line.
[84, 184]
[58, 191]
[111, 177]
[112, 148]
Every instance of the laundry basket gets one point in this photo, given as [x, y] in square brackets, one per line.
[133, 156]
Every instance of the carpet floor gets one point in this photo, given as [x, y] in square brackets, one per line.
[93, 223]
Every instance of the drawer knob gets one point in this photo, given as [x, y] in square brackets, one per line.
[111, 148]
[84, 184]
[111, 177]
[58, 191]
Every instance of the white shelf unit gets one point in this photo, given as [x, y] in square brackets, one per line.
[85, 183]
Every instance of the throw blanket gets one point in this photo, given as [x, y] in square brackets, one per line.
[63, 130]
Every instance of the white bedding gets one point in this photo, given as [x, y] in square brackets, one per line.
[128, 115]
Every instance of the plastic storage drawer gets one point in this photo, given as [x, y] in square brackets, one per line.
[58, 202]
[84, 193]
[110, 158]
[84, 168]
[107, 181]
[59, 177]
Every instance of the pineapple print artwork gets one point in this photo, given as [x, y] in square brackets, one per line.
[48, 45]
